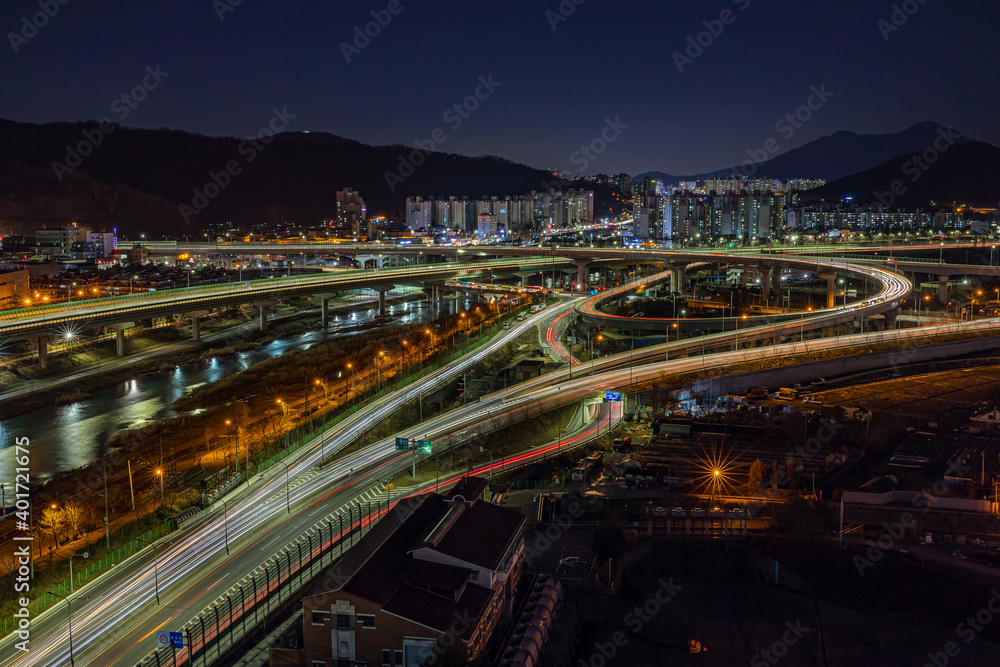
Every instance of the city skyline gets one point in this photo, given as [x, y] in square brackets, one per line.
[545, 81]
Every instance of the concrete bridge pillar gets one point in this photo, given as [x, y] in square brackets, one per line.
[765, 291]
[581, 274]
[831, 288]
[43, 351]
[943, 289]
[120, 348]
[263, 318]
[890, 318]
[381, 302]
[324, 310]
[196, 324]
[524, 275]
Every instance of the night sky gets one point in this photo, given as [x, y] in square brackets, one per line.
[606, 60]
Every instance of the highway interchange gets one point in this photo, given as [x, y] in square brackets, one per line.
[115, 616]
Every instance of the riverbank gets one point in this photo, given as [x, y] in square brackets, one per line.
[75, 375]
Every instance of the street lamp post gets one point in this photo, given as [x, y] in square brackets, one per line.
[225, 522]
[288, 505]
[156, 576]
[284, 408]
[85, 554]
[323, 384]
[354, 386]
[490, 452]
[69, 609]
[160, 473]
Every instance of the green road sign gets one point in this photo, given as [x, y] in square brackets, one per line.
[402, 444]
[424, 446]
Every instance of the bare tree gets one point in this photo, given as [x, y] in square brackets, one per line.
[52, 520]
[73, 517]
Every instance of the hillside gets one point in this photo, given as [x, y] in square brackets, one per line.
[136, 179]
[967, 173]
[831, 157]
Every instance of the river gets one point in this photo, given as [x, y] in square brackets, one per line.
[65, 437]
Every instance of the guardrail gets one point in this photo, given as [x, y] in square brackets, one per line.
[93, 570]
[124, 307]
[245, 606]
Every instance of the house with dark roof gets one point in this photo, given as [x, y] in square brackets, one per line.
[437, 569]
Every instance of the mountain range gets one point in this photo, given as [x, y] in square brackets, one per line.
[172, 182]
[829, 158]
[167, 181]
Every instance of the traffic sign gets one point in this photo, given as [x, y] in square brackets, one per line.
[402, 444]
[612, 396]
[424, 446]
[163, 638]
[177, 638]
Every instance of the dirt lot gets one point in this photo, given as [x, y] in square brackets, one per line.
[923, 395]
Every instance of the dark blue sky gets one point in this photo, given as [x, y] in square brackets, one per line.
[606, 60]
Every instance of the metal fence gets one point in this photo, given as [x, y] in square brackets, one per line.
[242, 610]
[93, 570]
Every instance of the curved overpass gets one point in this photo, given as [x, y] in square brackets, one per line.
[895, 288]
[43, 320]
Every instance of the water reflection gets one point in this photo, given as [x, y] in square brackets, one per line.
[64, 437]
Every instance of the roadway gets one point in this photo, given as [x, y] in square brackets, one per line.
[126, 601]
[56, 319]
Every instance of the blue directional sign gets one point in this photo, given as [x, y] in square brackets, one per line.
[593, 292]
[177, 639]
[612, 396]
[402, 444]
[424, 446]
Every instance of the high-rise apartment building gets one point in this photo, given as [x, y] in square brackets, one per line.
[351, 210]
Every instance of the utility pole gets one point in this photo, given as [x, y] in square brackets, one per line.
[107, 532]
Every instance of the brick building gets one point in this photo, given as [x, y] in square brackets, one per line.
[441, 565]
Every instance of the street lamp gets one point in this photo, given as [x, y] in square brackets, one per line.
[85, 554]
[288, 506]
[156, 576]
[225, 521]
[69, 610]
[490, 452]
[160, 474]
[599, 338]
[284, 409]
[354, 388]
[738, 332]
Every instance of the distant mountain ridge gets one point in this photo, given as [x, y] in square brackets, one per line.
[964, 173]
[831, 157]
[137, 179]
